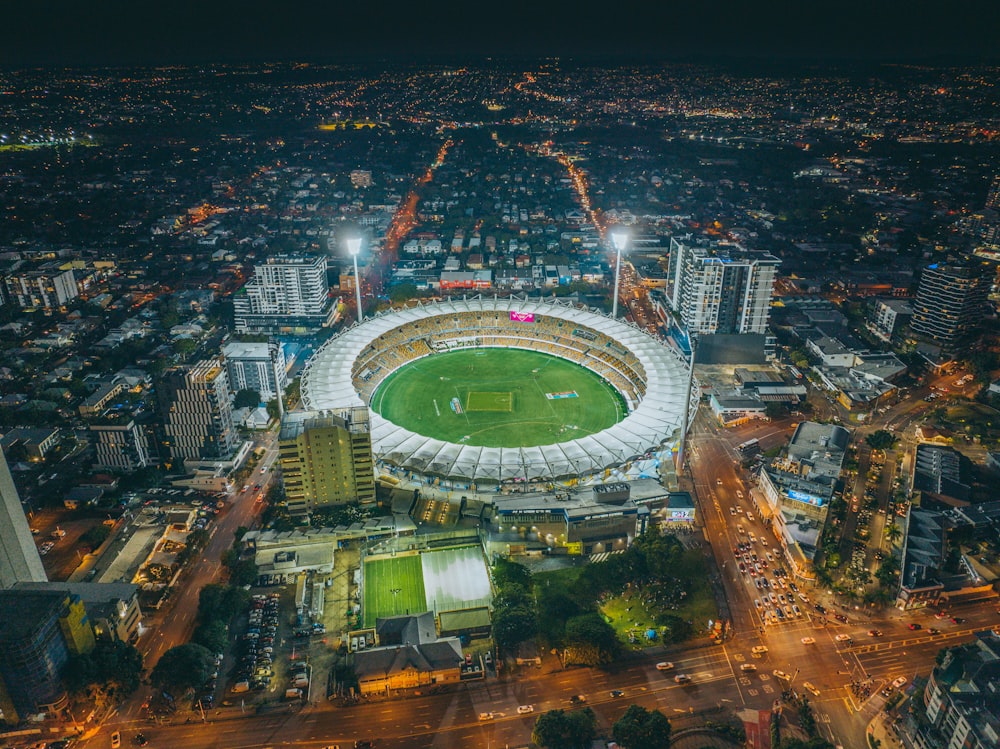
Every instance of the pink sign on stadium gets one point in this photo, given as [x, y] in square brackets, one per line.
[522, 316]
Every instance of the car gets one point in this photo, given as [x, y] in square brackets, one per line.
[957, 620]
[808, 685]
[808, 640]
[913, 625]
[758, 649]
[757, 603]
[941, 615]
[874, 632]
[899, 682]
[525, 709]
[748, 667]
[364, 744]
[116, 740]
[682, 679]
[732, 510]
[331, 746]
[779, 674]
[718, 482]
[616, 693]
[485, 716]
[933, 631]
[843, 638]
[664, 666]
[840, 618]
[577, 699]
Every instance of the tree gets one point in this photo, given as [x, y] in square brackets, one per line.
[513, 625]
[893, 532]
[590, 641]
[640, 728]
[881, 440]
[182, 668]
[94, 537]
[506, 572]
[112, 667]
[246, 399]
[559, 729]
[213, 635]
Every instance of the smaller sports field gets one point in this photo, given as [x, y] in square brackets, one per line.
[456, 579]
[393, 586]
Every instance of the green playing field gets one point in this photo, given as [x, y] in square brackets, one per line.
[550, 399]
[393, 586]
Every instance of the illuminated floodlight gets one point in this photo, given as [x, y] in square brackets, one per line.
[619, 238]
[354, 248]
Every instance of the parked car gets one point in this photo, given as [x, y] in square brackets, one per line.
[525, 709]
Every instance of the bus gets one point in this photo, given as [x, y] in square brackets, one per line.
[749, 448]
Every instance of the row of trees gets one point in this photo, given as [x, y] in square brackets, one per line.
[638, 728]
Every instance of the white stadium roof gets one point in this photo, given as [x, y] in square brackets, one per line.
[327, 384]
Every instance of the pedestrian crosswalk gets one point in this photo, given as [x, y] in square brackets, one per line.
[604, 555]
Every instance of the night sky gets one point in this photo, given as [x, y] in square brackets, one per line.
[139, 31]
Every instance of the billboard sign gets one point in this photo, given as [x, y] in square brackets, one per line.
[809, 499]
[522, 316]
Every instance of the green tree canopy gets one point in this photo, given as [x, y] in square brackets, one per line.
[590, 641]
[640, 728]
[559, 729]
[213, 635]
[246, 399]
[881, 440]
[183, 667]
[113, 666]
[506, 572]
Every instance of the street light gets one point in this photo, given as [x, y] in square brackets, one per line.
[354, 247]
[619, 238]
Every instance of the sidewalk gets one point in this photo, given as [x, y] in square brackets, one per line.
[880, 732]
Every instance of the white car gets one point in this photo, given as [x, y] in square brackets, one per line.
[748, 667]
[664, 666]
[843, 638]
[808, 640]
[758, 649]
[899, 682]
[778, 674]
[485, 716]
[808, 685]
[525, 709]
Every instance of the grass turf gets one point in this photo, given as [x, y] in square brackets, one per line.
[418, 397]
[382, 577]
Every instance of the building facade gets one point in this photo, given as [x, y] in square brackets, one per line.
[51, 625]
[721, 290]
[43, 288]
[287, 294]
[888, 316]
[797, 488]
[326, 458]
[120, 445]
[196, 406]
[950, 303]
[19, 560]
[256, 366]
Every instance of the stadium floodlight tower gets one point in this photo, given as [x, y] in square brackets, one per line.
[354, 247]
[619, 238]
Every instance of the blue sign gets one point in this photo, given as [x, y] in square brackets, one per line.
[803, 497]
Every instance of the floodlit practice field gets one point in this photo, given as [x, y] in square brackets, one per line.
[496, 397]
[393, 586]
[455, 579]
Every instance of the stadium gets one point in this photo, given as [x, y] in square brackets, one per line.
[650, 381]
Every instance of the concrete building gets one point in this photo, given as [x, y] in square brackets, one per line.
[112, 608]
[888, 316]
[960, 706]
[797, 489]
[19, 560]
[197, 410]
[45, 288]
[718, 289]
[287, 294]
[120, 445]
[950, 303]
[254, 366]
[326, 458]
[50, 626]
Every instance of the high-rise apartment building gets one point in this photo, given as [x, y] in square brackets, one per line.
[47, 288]
[197, 410]
[950, 303]
[120, 445]
[19, 560]
[49, 627]
[254, 366]
[721, 290]
[326, 458]
[287, 294]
